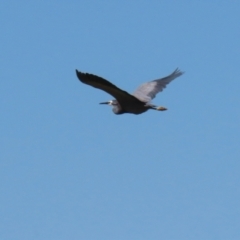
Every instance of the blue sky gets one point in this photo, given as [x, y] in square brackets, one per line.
[71, 169]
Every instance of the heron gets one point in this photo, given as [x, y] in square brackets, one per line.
[136, 103]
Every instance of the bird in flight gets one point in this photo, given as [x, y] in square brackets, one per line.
[136, 103]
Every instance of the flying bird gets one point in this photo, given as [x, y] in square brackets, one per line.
[137, 103]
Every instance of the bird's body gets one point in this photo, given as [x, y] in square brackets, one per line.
[135, 108]
[137, 103]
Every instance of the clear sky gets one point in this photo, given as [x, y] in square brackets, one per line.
[71, 169]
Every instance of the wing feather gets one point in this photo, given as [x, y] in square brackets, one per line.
[147, 91]
[101, 83]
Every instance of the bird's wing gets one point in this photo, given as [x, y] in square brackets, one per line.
[147, 91]
[100, 83]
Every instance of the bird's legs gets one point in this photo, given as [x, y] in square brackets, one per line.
[160, 108]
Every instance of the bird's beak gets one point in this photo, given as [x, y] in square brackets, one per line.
[104, 103]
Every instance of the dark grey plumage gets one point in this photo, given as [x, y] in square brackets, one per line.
[136, 103]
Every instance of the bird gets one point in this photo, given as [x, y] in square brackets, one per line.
[136, 103]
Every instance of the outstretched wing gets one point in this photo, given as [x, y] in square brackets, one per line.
[100, 83]
[147, 91]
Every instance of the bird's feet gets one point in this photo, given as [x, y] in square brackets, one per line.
[161, 108]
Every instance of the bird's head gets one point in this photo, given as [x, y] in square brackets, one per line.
[116, 106]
